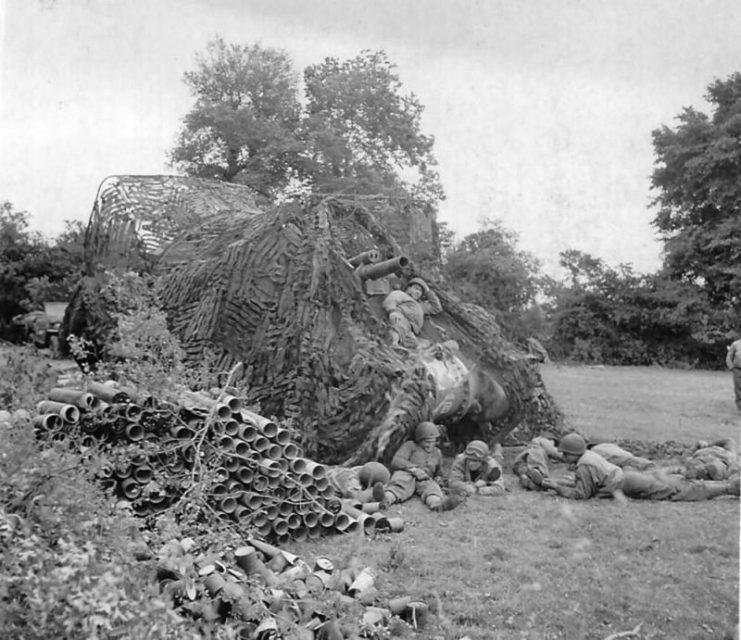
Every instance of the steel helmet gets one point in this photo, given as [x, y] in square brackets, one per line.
[426, 430]
[572, 443]
[372, 472]
[477, 450]
[420, 282]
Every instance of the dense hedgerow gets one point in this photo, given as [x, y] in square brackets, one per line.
[69, 566]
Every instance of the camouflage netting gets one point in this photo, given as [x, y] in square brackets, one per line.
[275, 291]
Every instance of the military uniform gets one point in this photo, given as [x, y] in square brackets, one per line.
[403, 485]
[476, 471]
[357, 482]
[596, 477]
[658, 485]
[733, 362]
[489, 476]
[407, 315]
[622, 458]
[715, 461]
[531, 466]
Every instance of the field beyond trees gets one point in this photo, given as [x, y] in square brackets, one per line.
[533, 566]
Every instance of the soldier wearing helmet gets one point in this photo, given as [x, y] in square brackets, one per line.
[477, 471]
[416, 467]
[595, 476]
[407, 310]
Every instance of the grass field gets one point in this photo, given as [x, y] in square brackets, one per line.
[645, 402]
[536, 567]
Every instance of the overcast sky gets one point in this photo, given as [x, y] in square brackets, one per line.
[542, 110]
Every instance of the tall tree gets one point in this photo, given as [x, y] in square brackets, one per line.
[363, 133]
[488, 269]
[698, 178]
[243, 125]
[354, 130]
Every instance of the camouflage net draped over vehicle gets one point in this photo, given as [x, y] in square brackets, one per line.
[275, 290]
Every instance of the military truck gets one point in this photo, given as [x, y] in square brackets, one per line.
[41, 327]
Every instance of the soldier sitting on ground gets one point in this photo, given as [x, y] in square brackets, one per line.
[531, 466]
[596, 477]
[416, 468]
[407, 311]
[475, 471]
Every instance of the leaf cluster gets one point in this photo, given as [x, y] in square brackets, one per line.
[696, 177]
[487, 268]
[616, 316]
[33, 269]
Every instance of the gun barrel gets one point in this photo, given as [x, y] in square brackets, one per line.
[367, 257]
[381, 269]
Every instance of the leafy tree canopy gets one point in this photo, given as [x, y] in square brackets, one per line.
[488, 269]
[698, 165]
[243, 125]
[32, 269]
[350, 129]
[616, 316]
[363, 130]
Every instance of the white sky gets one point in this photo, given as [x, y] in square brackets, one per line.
[542, 110]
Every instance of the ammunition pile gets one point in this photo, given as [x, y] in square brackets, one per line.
[249, 468]
[272, 593]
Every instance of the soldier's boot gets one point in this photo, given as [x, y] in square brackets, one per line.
[536, 477]
[378, 492]
[388, 499]
[527, 483]
[734, 485]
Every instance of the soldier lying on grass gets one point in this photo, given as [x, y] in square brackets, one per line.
[717, 460]
[621, 457]
[361, 483]
[596, 477]
[416, 467]
[476, 471]
[531, 466]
